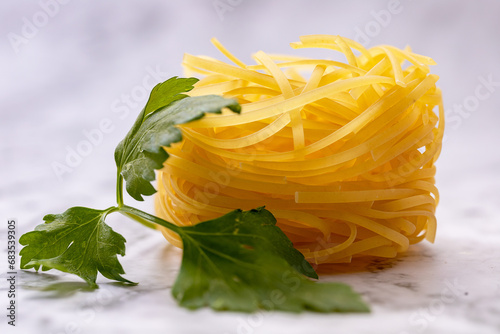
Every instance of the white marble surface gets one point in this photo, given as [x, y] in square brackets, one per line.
[67, 77]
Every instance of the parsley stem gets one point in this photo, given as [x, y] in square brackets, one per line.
[119, 189]
[142, 216]
[138, 219]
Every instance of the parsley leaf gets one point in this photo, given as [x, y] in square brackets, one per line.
[167, 92]
[141, 152]
[243, 262]
[78, 242]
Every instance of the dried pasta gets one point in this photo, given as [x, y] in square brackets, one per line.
[343, 154]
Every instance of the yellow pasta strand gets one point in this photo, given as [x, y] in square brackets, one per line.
[344, 157]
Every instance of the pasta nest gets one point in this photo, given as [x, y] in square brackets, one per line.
[342, 153]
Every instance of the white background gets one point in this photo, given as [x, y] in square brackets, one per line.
[62, 74]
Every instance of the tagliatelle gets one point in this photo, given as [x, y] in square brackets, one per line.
[344, 158]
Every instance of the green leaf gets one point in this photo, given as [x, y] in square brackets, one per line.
[141, 152]
[78, 242]
[243, 262]
[167, 92]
